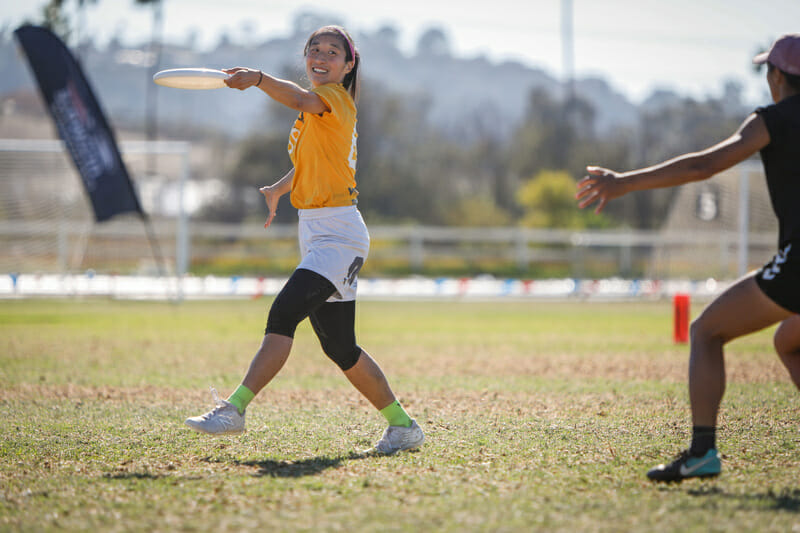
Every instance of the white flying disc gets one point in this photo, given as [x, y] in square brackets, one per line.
[191, 78]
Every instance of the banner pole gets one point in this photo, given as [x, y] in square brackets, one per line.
[151, 236]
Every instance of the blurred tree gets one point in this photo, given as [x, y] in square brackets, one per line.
[560, 135]
[548, 201]
[262, 160]
[392, 175]
[388, 35]
[665, 132]
[477, 211]
[433, 42]
[57, 21]
[549, 134]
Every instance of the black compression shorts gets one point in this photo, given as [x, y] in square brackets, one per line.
[780, 278]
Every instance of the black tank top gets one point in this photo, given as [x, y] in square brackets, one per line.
[781, 158]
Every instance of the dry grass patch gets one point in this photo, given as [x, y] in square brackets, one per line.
[537, 417]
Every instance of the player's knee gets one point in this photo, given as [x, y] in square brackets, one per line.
[344, 354]
[698, 330]
[283, 318]
[707, 329]
[281, 325]
[787, 338]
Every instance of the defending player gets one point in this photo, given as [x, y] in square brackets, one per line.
[760, 299]
[334, 241]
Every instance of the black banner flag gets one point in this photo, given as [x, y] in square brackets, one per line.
[80, 122]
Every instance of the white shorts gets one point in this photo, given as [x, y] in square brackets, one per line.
[334, 243]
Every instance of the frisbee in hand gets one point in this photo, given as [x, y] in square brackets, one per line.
[191, 78]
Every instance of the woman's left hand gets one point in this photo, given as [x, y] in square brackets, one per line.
[241, 77]
[271, 197]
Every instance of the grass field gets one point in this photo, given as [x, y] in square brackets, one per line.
[539, 417]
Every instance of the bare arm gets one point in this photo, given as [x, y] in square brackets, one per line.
[285, 92]
[603, 185]
[273, 193]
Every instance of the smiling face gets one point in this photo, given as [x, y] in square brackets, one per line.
[326, 60]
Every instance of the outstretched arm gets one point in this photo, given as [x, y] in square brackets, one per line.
[273, 193]
[285, 92]
[603, 185]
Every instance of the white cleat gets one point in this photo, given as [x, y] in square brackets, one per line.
[224, 419]
[398, 438]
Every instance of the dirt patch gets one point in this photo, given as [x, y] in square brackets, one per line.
[667, 367]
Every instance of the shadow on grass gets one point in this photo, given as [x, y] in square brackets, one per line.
[305, 467]
[782, 500]
[134, 475]
[151, 476]
[266, 467]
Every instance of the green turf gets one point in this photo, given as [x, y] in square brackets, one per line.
[539, 416]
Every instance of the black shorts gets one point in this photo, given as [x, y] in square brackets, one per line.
[305, 295]
[780, 278]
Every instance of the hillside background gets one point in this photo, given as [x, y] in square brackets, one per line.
[443, 140]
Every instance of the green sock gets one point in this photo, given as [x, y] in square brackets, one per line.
[396, 415]
[241, 397]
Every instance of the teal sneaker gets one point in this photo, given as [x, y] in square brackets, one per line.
[686, 466]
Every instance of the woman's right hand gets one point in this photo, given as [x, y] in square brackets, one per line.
[601, 185]
[271, 196]
[242, 78]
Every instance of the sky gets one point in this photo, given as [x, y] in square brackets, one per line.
[689, 46]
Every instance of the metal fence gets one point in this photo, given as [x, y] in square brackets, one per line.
[45, 227]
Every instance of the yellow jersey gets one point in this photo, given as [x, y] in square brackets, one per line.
[323, 151]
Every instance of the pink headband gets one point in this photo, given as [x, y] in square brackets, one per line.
[349, 43]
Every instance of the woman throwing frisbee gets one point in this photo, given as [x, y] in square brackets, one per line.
[334, 241]
[763, 298]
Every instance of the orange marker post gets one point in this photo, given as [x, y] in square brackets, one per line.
[681, 320]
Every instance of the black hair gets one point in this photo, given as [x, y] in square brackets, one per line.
[792, 79]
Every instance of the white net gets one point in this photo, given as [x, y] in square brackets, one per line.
[46, 220]
[710, 221]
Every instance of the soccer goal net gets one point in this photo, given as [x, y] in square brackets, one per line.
[725, 224]
[47, 224]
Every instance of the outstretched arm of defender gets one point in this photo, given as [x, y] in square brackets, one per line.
[603, 185]
[273, 193]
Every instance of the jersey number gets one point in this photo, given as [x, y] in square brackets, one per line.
[352, 272]
[351, 159]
